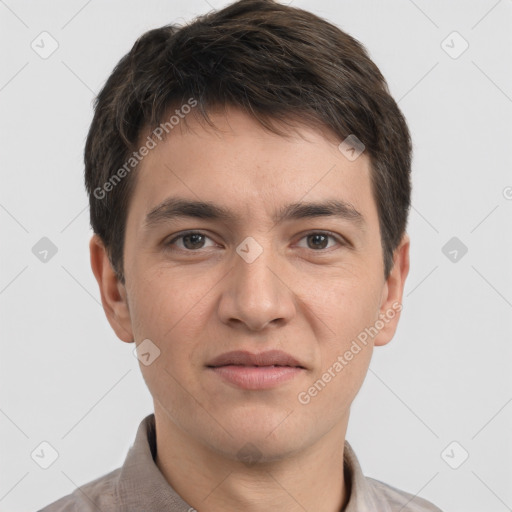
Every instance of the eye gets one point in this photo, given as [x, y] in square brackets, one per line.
[190, 241]
[319, 240]
[193, 241]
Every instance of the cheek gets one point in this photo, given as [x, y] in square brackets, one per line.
[163, 300]
[347, 305]
[168, 312]
[172, 311]
[346, 311]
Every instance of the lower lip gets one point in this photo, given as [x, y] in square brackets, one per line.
[256, 377]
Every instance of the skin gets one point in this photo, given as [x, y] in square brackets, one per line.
[196, 302]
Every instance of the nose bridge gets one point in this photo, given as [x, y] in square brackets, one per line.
[255, 294]
[253, 266]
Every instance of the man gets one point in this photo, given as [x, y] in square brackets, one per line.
[249, 184]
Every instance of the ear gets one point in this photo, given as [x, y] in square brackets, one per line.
[113, 292]
[391, 301]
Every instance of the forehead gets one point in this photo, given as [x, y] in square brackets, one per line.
[244, 166]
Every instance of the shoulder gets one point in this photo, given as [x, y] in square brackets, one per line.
[399, 500]
[370, 494]
[99, 493]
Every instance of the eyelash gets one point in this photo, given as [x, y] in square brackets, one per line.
[338, 239]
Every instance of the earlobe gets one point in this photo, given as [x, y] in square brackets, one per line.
[113, 293]
[391, 304]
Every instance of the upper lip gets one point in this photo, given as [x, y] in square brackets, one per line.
[242, 358]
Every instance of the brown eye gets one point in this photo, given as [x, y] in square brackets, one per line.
[193, 241]
[317, 241]
[320, 240]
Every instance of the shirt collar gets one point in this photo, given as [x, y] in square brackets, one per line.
[362, 495]
[140, 477]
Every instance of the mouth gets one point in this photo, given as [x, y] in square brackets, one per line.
[270, 358]
[256, 371]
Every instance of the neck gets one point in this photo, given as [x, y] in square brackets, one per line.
[310, 479]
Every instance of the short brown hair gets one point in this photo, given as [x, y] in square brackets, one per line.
[275, 62]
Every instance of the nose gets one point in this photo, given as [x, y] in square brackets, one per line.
[256, 293]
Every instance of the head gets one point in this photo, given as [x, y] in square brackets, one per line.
[236, 127]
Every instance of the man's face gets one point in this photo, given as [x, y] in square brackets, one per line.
[307, 285]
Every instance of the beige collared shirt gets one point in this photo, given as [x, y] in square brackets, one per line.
[139, 486]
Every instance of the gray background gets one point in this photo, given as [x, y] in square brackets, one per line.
[67, 380]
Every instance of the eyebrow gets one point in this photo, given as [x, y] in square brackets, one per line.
[174, 207]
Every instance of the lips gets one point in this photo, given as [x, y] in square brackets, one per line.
[255, 372]
[242, 358]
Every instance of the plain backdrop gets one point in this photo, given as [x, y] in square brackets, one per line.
[440, 391]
